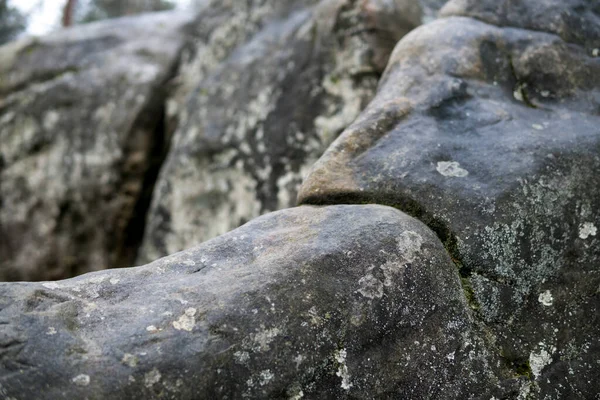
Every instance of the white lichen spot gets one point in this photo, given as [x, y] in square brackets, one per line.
[152, 329]
[586, 230]
[546, 298]
[451, 168]
[114, 281]
[545, 93]
[265, 377]
[51, 331]
[264, 337]
[187, 321]
[342, 371]
[538, 361]
[151, 378]
[129, 360]
[596, 52]
[51, 285]
[298, 360]
[537, 127]
[241, 357]
[370, 287]
[409, 245]
[81, 380]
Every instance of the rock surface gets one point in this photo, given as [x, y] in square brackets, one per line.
[81, 132]
[320, 302]
[265, 100]
[488, 132]
[484, 127]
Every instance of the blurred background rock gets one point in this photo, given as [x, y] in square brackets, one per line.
[38, 17]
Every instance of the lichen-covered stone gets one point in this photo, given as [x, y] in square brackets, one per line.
[80, 134]
[264, 100]
[314, 302]
[489, 134]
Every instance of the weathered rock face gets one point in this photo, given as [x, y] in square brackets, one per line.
[485, 127]
[287, 85]
[321, 302]
[81, 133]
[490, 134]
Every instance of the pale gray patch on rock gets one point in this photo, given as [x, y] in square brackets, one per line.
[586, 230]
[451, 168]
[81, 380]
[187, 321]
[151, 378]
[545, 298]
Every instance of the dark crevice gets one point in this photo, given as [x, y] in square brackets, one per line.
[520, 85]
[134, 231]
[520, 366]
[153, 126]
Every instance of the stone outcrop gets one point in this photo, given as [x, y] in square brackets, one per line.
[263, 103]
[485, 127]
[82, 138]
[250, 94]
[314, 302]
[476, 275]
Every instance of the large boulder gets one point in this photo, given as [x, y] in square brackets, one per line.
[486, 127]
[259, 103]
[81, 127]
[315, 302]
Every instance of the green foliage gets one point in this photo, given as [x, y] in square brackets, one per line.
[12, 22]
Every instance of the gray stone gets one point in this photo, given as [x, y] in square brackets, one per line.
[320, 302]
[575, 21]
[81, 132]
[489, 134]
[268, 98]
[431, 9]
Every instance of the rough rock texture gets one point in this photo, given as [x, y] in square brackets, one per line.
[268, 97]
[485, 127]
[489, 133]
[81, 130]
[320, 302]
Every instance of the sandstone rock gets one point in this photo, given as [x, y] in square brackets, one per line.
[489, 134]
[81, 132]
[320, 302]
[268, 97]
